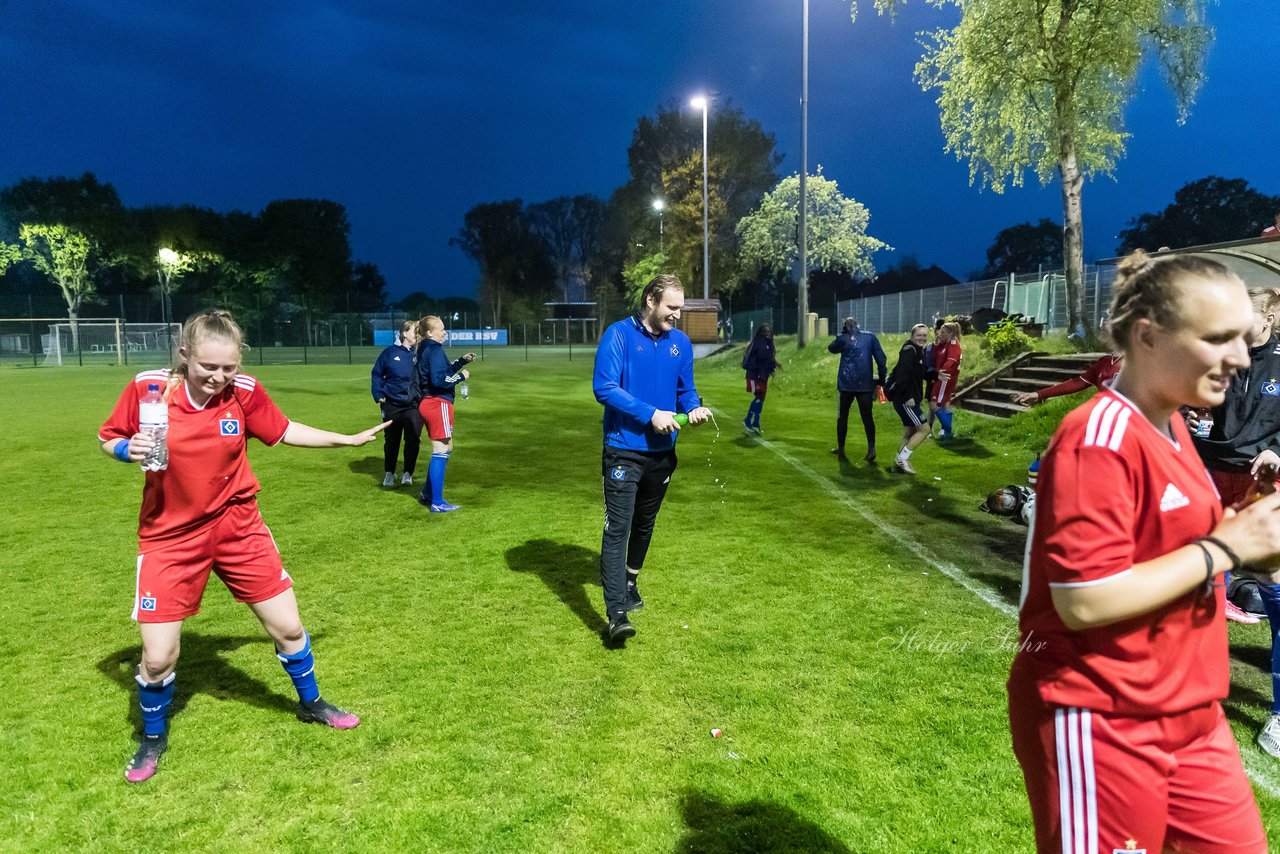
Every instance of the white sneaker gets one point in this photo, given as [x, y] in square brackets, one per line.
[904, 466]
[389, 479]
[1269, 738]
[406, 479]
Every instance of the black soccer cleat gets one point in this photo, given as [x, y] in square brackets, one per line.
[145, 761]
[320, 711]
[620, 628]
[634, 602]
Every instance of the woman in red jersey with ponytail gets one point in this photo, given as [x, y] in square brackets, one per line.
[1114, 694]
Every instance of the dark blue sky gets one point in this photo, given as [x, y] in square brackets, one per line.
[409, 113]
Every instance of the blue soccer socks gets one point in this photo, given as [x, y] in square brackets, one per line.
[301, 667]
[435, 477]
[944, 418]
[753, 413]
[155, 698]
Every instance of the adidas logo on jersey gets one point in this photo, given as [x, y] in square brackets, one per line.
[1173, 499]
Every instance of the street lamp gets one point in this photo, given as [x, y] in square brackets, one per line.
[167, 263]
[702, 103]
[660, 206]
[802, 332]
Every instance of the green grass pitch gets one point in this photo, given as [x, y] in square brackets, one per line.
[829, 618]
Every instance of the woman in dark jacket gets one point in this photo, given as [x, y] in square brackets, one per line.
[855, 381]
[391, 381]
[905, 389]
[760, 361]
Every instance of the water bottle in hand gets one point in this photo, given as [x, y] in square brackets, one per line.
[464, 391]
[153, 421]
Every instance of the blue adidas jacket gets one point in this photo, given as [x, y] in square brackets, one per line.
[392, 373]
[857, 350]
[637, 374]
[436, 374]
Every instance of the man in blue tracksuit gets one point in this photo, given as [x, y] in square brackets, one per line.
[644, 377]
[856, 381]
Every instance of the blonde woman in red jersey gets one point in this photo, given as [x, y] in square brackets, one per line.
[201, 515]
[1114, 691]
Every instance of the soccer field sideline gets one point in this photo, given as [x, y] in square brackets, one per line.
[1260, 770]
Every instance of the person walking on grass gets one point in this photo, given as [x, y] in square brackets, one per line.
[200, 515]
[644, 378]
[760, 362]
[392, 380]
[905, 389]
[856, 380]
[946, 367]
[1116, 686]
[437, 378]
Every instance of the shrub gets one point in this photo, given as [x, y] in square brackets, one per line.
[1006, 340]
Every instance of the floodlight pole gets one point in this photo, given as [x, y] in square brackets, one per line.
[802, 331]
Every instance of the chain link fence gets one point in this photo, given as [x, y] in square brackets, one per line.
[1039, 297]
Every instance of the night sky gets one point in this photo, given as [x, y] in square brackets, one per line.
[409, 113]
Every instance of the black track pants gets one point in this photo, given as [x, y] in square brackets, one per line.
[635, 482]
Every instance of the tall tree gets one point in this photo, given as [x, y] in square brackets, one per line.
[64, 256]
[310, 238]
[1041, 85]
[569, 227]
[1024, 248]
[837, 226]
[665, 162]
[511, 254]
[1210, 210]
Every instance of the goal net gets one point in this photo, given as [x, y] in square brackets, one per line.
[111, 337]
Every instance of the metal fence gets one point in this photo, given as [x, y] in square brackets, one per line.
[1041, 297]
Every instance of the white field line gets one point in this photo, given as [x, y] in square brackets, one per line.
[1259, 768]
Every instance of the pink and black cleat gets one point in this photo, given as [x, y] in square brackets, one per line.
[319, 711]
[144, 763]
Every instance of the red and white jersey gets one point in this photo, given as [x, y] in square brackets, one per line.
[208, 467]
[946, 358]
[1114, 492]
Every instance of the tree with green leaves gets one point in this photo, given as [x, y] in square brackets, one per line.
[640, 274]
[837, 226]
[665, 162]
[1210, 210]
[513, 258]
[1041, 85]
[61, 254]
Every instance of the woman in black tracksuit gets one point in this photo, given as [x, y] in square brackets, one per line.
[905, 389]
[392, 374]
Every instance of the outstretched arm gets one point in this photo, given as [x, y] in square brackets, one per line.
[301, 436]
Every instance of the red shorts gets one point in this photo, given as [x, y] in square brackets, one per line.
[437, 414]
[236, 545]
[942, 389]
[1106, 783]
[758, 387]
[1232, 485]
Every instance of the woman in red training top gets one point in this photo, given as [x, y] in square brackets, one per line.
[946, 365]
[200, 515]
[1114, 691]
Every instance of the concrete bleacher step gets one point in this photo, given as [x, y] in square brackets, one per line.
[992, 394]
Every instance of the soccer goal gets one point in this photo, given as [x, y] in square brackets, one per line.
[112, 337]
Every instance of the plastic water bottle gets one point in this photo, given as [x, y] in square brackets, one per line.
[464, 390]
[153, 421]
[1033, 472]
[681, 418]
[1204, 423]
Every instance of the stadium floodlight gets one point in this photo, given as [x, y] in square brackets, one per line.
[700, 103]
[660, 206]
